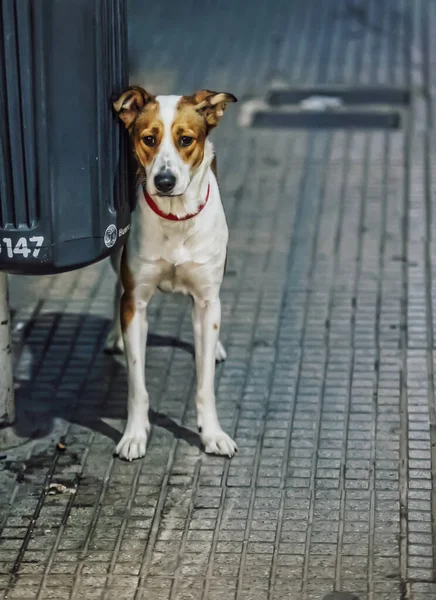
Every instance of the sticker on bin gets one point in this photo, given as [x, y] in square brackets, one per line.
[24, 247]
[110, 236]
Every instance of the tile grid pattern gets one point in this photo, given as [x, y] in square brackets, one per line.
[327, 309]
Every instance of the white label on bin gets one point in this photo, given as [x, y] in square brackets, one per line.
[110, 236]
[23, 247]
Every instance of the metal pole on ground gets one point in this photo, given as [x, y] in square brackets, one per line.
[7, 404]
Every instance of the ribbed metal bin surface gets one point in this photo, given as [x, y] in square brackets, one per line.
[64, 200]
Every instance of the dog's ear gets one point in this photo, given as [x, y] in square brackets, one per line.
[212, 105]
[130, 103]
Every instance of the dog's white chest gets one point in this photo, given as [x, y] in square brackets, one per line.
[175, 250]
[186, 257]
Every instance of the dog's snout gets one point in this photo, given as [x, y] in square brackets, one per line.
[165, 182]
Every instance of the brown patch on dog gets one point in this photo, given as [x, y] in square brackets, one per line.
[188, 122]
[139, 111]
[147, 124]
[196, 116]
[215, 326]
[127, 307]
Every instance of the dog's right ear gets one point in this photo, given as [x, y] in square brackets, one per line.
[130, 103]
[212, 105]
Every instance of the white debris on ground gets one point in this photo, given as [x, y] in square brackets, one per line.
[321, 103]
[60, 488]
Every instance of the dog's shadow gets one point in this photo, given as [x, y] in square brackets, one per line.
[69, 376]
[167, 341]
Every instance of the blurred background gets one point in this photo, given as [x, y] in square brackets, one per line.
[249, 46]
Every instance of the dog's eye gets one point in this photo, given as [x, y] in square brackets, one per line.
[185, 140]
[149, 140]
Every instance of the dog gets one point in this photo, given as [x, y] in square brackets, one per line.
[177, 243]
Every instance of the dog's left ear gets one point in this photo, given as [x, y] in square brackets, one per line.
[130, 103]
[212, 105]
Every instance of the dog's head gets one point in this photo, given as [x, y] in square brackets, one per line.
[169, 134]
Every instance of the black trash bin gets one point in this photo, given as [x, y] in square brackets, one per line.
[64, 200]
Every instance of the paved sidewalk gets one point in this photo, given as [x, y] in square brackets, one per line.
[328, 321]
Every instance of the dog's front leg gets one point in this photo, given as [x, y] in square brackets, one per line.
[206, 319]
[134, 441]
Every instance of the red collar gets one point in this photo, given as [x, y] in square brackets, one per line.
[170, 216]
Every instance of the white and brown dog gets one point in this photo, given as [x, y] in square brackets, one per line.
[177, 243]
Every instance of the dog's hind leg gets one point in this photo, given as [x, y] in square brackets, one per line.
[220, 353]
[114, 341]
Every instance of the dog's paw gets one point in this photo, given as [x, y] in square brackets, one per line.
[218, 442]
[114, 343]
[220, 353]
[132, 445]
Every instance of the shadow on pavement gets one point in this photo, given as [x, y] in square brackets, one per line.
[67, 375]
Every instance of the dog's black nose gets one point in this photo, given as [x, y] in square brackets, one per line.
[165, 182]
